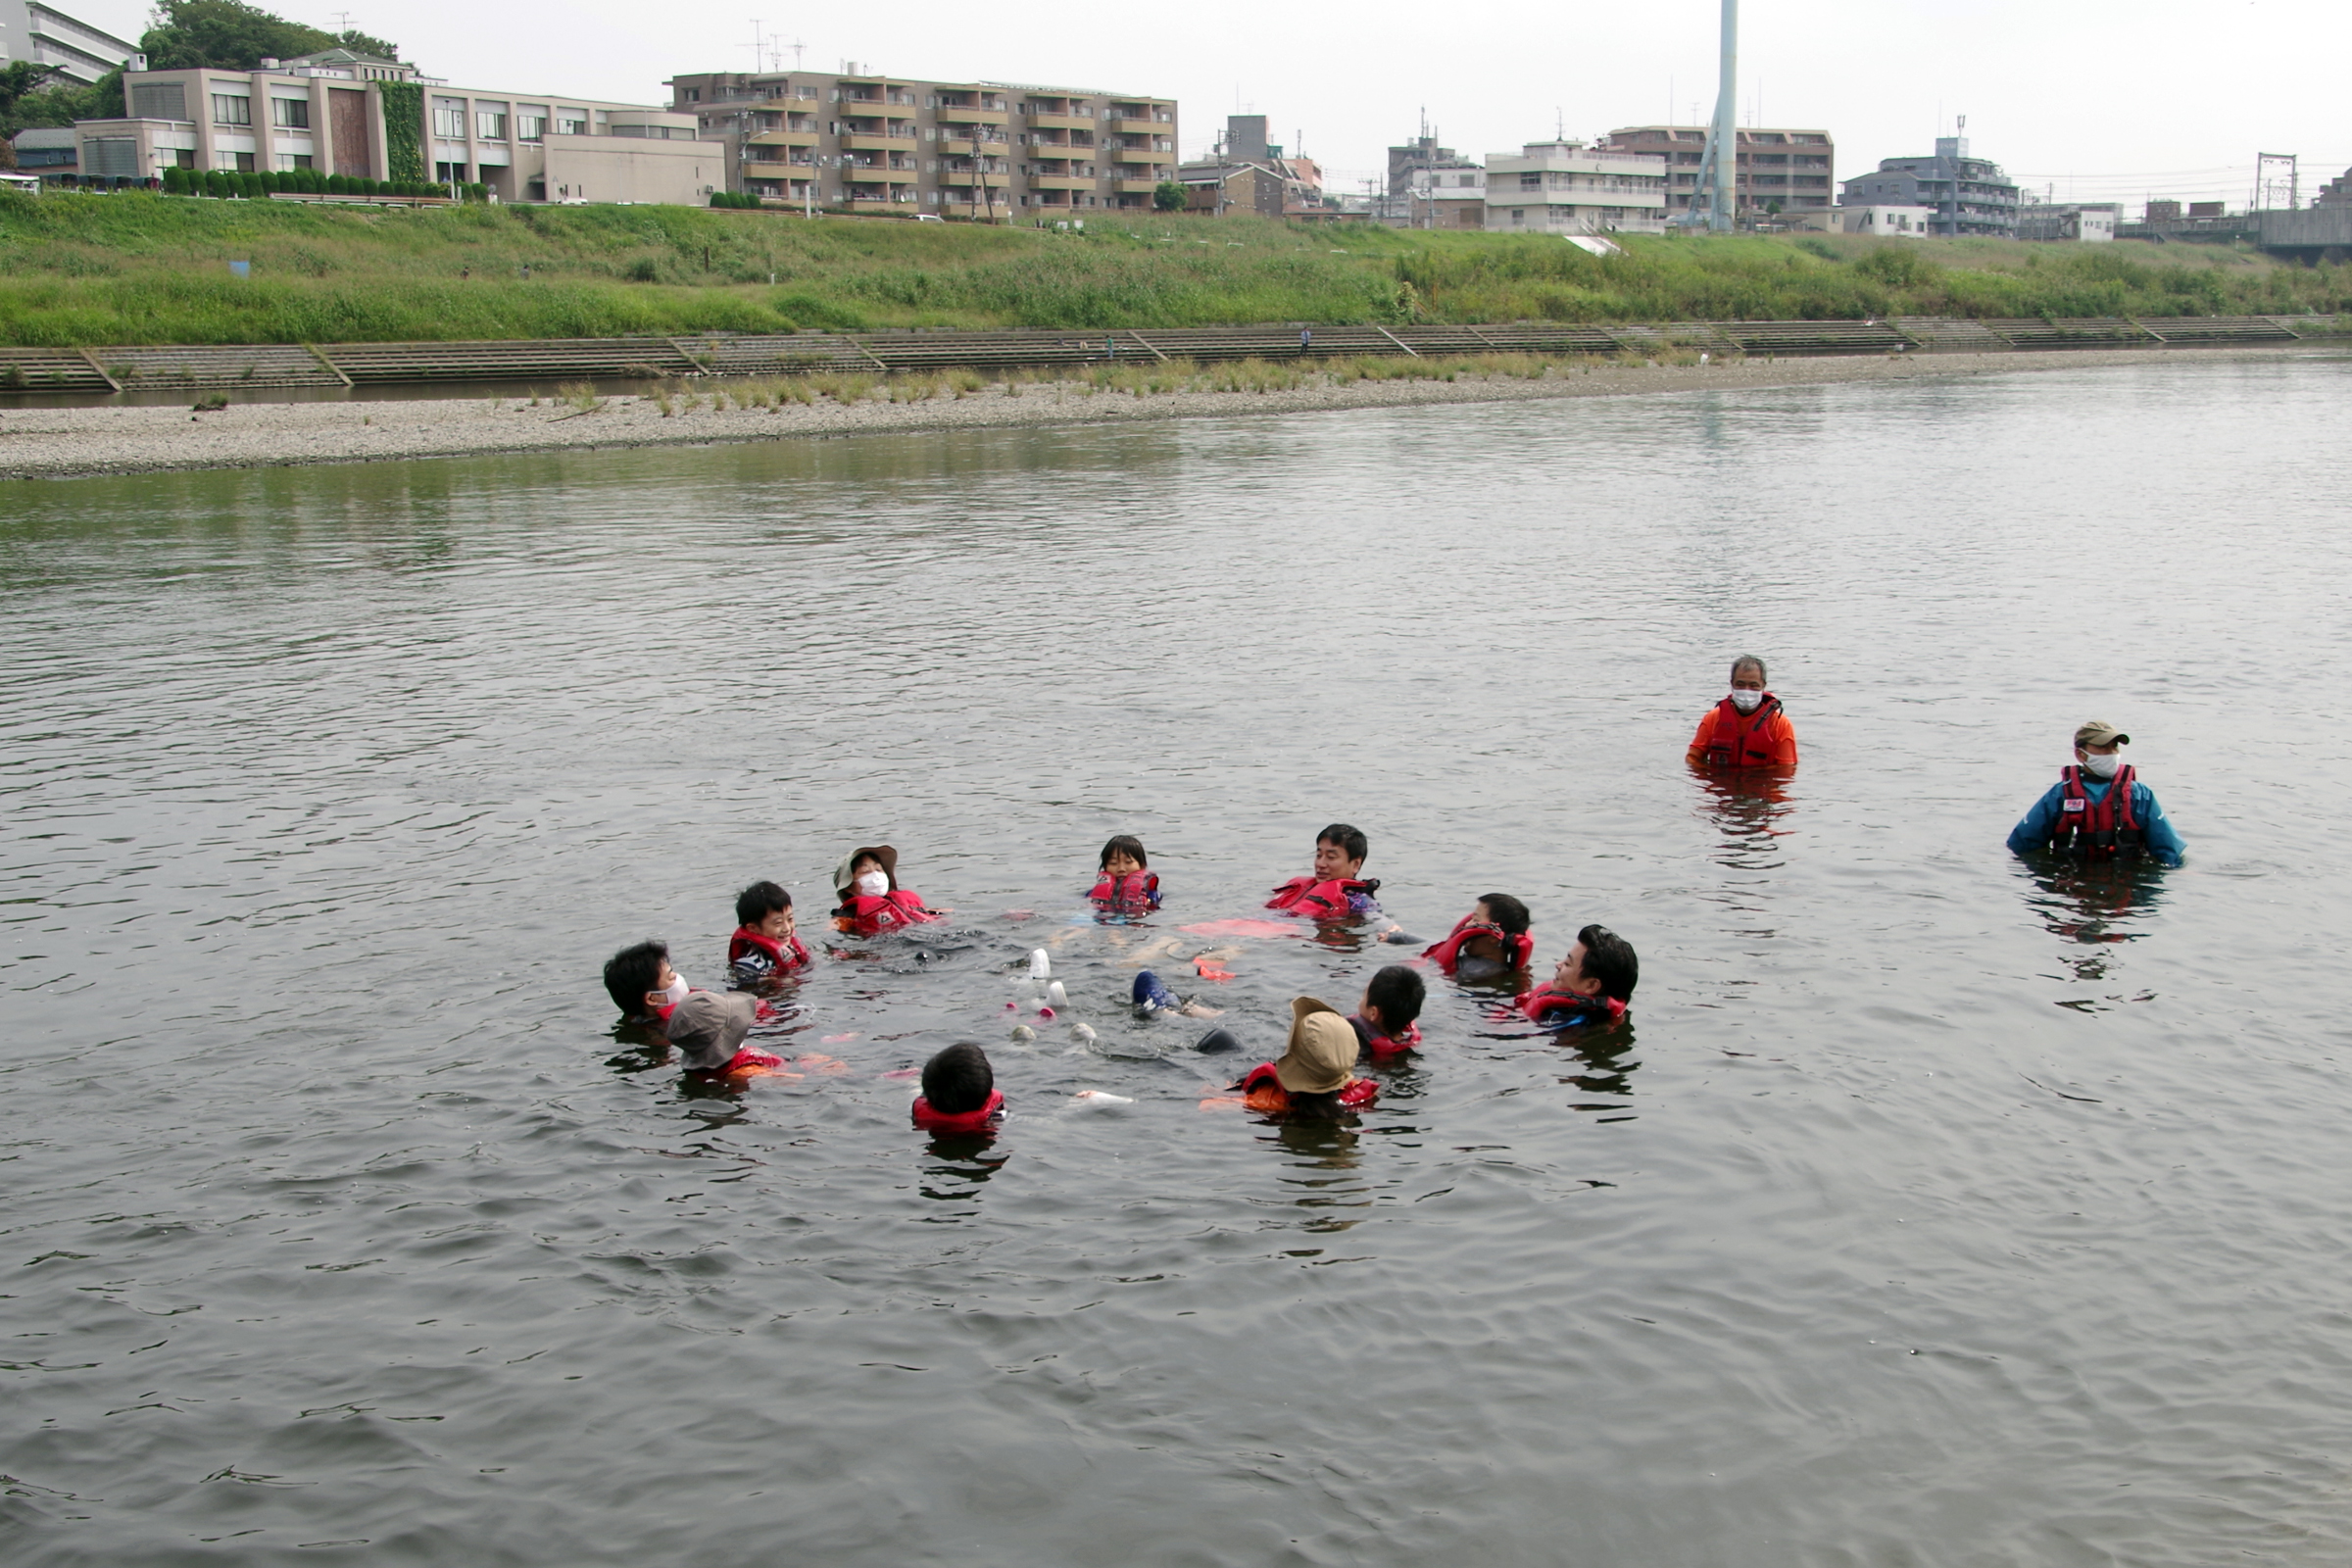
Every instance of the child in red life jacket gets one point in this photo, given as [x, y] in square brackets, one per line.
[1492, 940]
[1127, 885]
[1312, 1078]
[764, 943]
[960, 1092]
[1384, 1020]
[709, 1027]
[1336, 889]
[1591, 985]
[871, 901]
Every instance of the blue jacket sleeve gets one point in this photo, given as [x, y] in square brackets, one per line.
[2034, 831]
[2156, 829]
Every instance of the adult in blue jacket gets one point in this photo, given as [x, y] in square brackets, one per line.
[2098, 808]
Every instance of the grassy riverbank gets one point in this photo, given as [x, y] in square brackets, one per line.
[89, 270]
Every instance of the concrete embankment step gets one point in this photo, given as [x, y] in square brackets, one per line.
[2219, 329]
[568, 359]
[51, 370]
[2074, 332]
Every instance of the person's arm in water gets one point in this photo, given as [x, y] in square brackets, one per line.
[1697, 754]
[1784, 741]
[2034, 831]
[2156, 830]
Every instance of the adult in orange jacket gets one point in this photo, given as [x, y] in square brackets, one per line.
[1747, 728]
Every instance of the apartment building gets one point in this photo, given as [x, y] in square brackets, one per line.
[2088, 222]
[1447, 193]
[33, 34]
[1970, 195]
[1564, 187]
[864, 142]
[347, 114]
[1794, 169]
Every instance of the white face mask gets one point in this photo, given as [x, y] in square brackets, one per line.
[1745, 701]
[677, 989]
[873, 884]
[2098, 767]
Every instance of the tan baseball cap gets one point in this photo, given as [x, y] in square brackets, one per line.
[709, 1025]
[2099, 732]
[1321, 1050]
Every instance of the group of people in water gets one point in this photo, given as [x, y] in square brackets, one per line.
[2097, 810]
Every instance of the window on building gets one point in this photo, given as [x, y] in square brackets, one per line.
[244, 162]
[1530, 180]
[448, 119]
[228, 109]
[571, 122]
[530, 127]
[490, 125]
[294, 114]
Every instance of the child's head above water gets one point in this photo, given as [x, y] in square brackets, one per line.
[958, 1080]
[872, 871]
[1124, 855]
[1501, 912]
[1600, 964]
[766, 908]
[1393, 1000]
[1340, 851]
[639, 979]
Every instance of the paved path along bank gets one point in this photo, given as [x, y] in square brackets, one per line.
[64, 443]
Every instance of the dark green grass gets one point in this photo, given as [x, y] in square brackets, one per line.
[91, 270]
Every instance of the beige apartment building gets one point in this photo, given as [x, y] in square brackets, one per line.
[868, 142]
[342, 114]
[1793, 168]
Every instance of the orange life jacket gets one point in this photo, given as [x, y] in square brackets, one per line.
[1561, 1010]
[864, 915]
[1738, 739]
[1137, 893]
[1321, 901]
[1262, 1090]
[962, 1121]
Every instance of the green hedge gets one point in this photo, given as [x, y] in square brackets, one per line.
[297, 181]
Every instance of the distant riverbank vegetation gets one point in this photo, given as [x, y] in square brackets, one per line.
[85, 271]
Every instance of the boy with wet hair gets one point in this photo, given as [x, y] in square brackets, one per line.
[1591, 985]
[642, 984]
[1491, 940]
[960, 1092]
[1385, 1021]
[1336, 889]
[764, 943]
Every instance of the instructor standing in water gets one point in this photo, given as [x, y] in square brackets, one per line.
[2099, 809]
[1747, 729]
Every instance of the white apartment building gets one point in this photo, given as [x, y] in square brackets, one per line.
[1900, 222]
[1451, 194]
[1564, 187]
[44, 36]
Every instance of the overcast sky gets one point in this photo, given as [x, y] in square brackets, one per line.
[2099, 98]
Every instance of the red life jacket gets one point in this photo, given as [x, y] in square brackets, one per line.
[1518, 950]
[748, 944]
[1133, 894]
[1320, 901]
[1731, 745]
[1381, 1045]
[1262, 1090]
[1558, 1009]
[2096, 830]
[964, 1121]
[746, 1060]
[864, 914]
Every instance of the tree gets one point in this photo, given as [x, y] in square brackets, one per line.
[1169, 196]
[29, 96]
[231, 36]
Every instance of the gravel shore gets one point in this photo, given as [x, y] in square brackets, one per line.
[71, 442]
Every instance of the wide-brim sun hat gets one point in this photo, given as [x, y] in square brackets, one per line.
[1321, 1049]
[880, 852]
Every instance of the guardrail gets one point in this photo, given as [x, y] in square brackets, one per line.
[548, 361]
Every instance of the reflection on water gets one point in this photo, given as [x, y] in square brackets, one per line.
[2094, 905]
[328, 790]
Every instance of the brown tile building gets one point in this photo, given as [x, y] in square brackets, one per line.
[868, 142]
[1794, 168]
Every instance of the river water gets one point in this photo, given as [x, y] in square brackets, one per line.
[1932, 1209]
